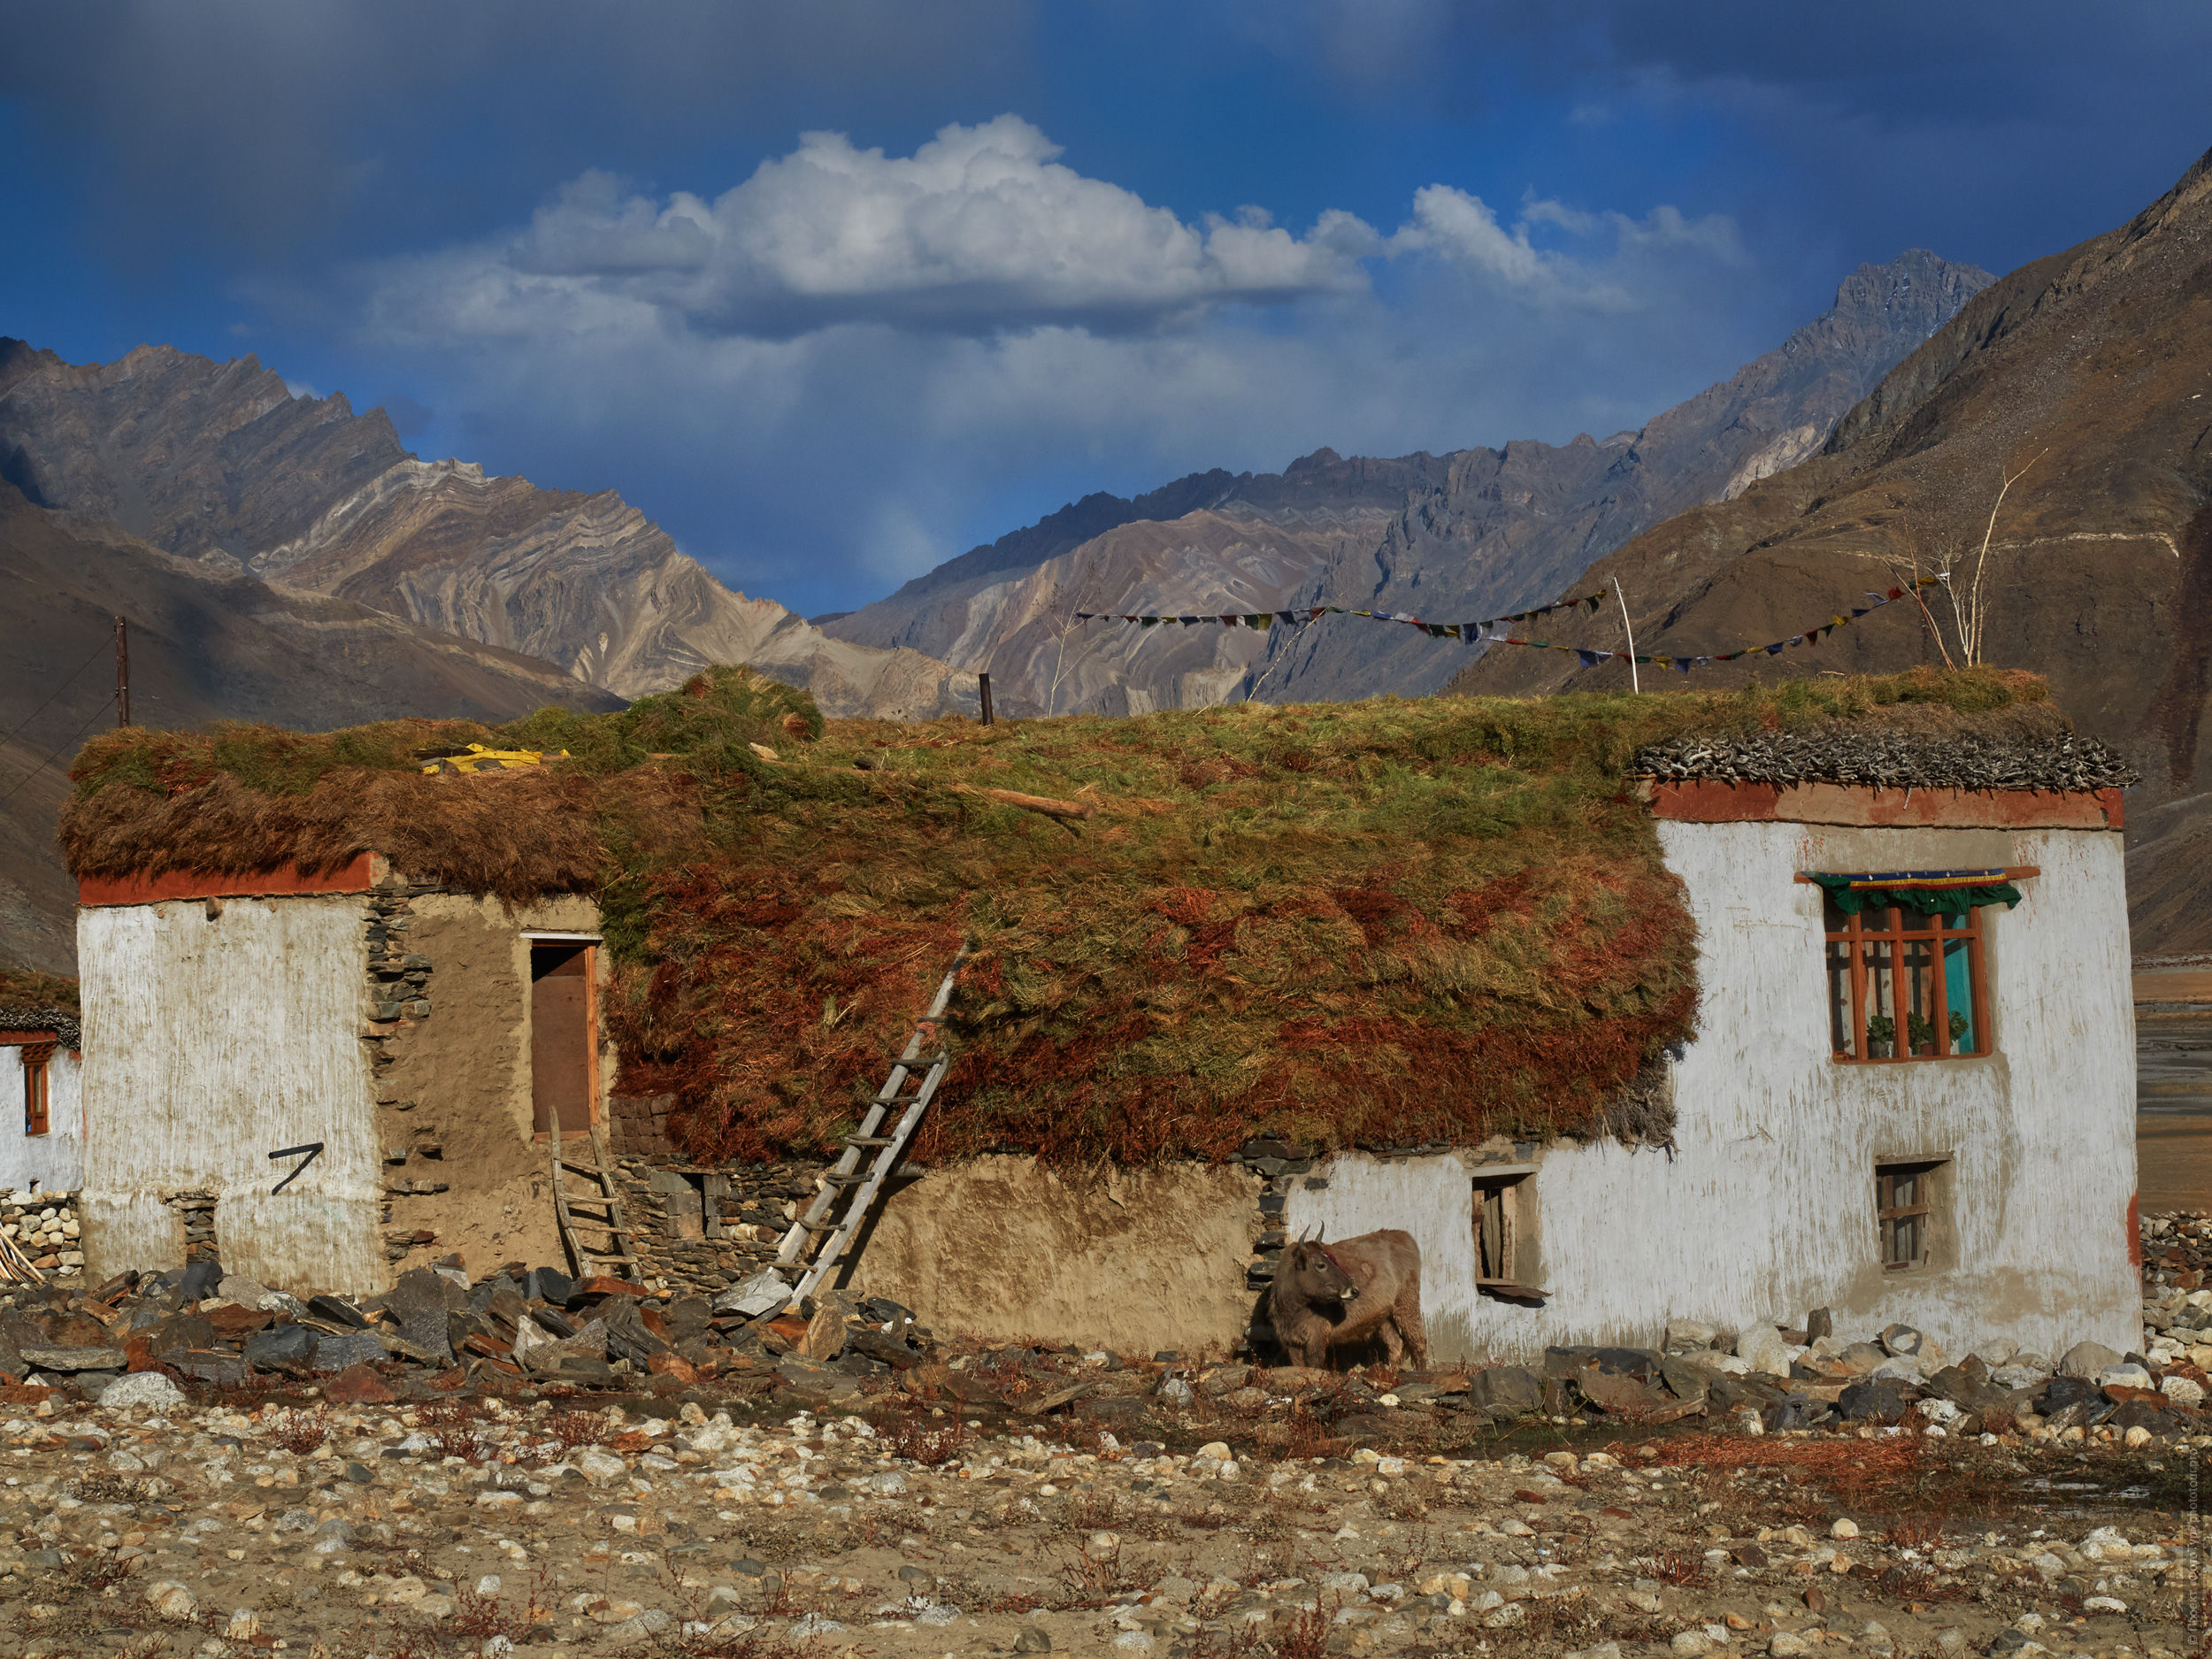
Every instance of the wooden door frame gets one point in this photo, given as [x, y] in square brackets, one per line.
[595, 1103]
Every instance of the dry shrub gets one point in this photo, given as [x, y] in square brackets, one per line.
[455, 1430]
[1091, 1511]
[570, 1430]
[1678, 1567]
[1306, 1635]
[1380, 924]
[300, 1432]
[928, 1441]
[1092, 1580]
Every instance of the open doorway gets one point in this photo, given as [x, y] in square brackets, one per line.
[564, 1035]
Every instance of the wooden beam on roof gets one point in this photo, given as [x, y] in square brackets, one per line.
[2011, 872]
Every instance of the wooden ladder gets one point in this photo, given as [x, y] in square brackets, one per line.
[601, 1196]
[843, 1183]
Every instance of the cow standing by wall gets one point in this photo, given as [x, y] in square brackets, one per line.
[1331, 1296]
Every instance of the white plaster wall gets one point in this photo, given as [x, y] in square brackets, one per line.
[53, 1162]
[1765, 1209]
[210, 1042]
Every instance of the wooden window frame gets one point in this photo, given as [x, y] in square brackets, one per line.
[1904, 928]
[1504, 1220]
[1921, 1210]
[38, 1088]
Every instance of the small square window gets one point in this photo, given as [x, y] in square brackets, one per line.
[1909, 1215]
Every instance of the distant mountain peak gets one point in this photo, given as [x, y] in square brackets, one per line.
[219, 463]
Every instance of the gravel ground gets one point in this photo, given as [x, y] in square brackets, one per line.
[760, 1504]
[463, 1526]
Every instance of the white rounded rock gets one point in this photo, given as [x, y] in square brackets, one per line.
[1845, 1528]
[141, 1391]
[172, 1600]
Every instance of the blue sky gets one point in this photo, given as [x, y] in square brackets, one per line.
[836, 291]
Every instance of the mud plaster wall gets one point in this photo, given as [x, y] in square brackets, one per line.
[216, 1031]
[458, 1081]
[1766, 1209]
[53, 1162]
[1135, 1260]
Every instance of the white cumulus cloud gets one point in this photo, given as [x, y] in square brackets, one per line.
[849, 351]
[980, 226]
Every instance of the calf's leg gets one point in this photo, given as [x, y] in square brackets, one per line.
[1405, 1314]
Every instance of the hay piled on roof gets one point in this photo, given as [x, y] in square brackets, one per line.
[1378, 924]
[31, 1001]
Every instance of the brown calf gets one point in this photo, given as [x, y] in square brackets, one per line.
[1328, 1296]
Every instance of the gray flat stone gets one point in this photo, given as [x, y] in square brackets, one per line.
[75, 1359]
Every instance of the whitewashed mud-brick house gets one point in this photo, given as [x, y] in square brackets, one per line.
[1912, 1094]
[413, 1036]
[1624, 1025]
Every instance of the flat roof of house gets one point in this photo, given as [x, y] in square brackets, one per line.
[1383, 924]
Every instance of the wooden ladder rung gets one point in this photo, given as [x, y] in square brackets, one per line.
[870, 1141]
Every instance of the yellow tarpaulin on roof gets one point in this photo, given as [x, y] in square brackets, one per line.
[476, 757]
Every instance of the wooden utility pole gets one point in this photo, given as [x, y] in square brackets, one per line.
[1635, 680]
[984, 681]
[122, 673]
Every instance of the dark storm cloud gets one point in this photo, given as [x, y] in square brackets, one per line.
[1991, 129]
[267, 128]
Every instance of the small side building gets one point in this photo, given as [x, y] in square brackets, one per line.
[383, 1036]
[40, 1066]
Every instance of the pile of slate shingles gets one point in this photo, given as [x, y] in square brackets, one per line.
[436, 1327]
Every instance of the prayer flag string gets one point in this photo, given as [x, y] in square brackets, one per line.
[1471, 632]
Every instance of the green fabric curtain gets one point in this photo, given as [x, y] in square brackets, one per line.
[1926, 901]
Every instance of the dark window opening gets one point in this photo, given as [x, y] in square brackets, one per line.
[1907, 1214]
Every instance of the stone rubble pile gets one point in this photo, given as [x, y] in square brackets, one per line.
[43, 1226]
[517, 1326]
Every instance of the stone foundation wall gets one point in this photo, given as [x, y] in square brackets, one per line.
[704, 1229]
[43, 1226]
[196, 1210]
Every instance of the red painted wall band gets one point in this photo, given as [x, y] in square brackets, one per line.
[1708, 801]
[281, 881]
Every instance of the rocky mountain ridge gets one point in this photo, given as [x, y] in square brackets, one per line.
[2085, 379]
[208, 642]
[218, 463]
[1511, 527]
[1474, 532]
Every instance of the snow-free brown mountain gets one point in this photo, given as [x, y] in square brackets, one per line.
[218, 463]
[207, 642]
[2084, 377]
[1471, 534]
